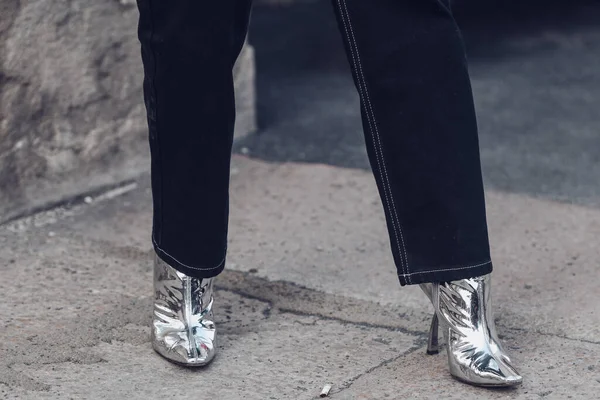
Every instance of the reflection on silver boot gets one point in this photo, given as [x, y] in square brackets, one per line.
[475, 355]
[182, 327]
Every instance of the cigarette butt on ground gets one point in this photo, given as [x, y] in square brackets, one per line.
[325, 390]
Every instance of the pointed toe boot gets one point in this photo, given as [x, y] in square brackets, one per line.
[183, 330]
[463, 310]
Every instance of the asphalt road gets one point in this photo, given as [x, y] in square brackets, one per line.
[535, 68]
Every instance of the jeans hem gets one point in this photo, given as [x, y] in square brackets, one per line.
[441, 274]
[190, 270]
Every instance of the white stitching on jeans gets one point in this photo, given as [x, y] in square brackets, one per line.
[445, 269]
[185, 265]
[382, 171]
[379, 163]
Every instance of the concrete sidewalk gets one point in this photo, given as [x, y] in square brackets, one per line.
[310, 298]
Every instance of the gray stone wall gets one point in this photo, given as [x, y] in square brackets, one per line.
[71, 112]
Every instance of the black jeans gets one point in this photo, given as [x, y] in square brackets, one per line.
[410, 69]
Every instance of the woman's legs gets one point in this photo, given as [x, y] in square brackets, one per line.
[409, 66]
[410, 69]
[189, 48]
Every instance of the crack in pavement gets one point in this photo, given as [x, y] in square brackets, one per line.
[420, 343]
[563, 337]
[322, 316]
[355, 323]
[550, 334]
[291, 298]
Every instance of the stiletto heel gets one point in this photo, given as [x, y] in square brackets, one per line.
[432, 342]
[475, 354]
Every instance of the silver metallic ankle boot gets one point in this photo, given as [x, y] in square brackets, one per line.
[475, 354]
[182, 328]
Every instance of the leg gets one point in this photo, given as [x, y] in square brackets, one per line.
[410, 69]
[189, 48]
[188, 51]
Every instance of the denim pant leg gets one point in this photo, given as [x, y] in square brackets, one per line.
[410, 69]
[189, 48]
